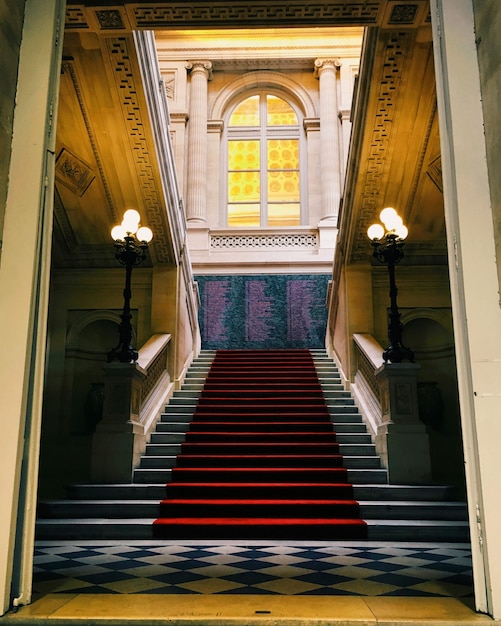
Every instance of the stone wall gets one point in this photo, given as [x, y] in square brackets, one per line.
[263, 311]
[11, 24]
[487, 25]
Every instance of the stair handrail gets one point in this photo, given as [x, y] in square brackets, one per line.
[156, 386]
[368, 359]
[153, 359]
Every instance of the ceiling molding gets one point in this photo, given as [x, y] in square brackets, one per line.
[141, 148]
[126, 15]
[381, 129]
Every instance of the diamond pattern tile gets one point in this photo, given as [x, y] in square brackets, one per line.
[162, 567]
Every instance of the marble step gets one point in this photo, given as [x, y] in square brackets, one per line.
[354, 475]
[135, 509]
[221, 461]
[170, 448]
[173, 438]
[437, 494]
[141, 528]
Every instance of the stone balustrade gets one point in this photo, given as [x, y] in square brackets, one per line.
[134, 395]
[387, 396]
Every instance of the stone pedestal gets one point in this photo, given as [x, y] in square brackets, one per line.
[198, 237]
[327, 232]
[401, 438]
[119, 439]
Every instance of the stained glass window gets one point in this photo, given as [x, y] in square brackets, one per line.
[263, 163]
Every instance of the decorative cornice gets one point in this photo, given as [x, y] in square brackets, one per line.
[141, 150]
[279, 12]
[128, 15]
[382, 125]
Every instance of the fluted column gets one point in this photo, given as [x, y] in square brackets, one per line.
[330, 175]
[196, 194]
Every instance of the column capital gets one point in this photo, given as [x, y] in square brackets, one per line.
[325, 64]
[201, 66]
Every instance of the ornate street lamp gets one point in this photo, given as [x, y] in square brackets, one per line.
[388, 244]
[131, 244]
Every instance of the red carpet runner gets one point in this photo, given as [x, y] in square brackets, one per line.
[260, 459]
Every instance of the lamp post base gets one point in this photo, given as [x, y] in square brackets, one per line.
[397, 354]
[123, 354]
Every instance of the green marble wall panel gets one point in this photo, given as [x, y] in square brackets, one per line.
[263, 311]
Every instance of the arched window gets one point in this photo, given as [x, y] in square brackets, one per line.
[263, 163]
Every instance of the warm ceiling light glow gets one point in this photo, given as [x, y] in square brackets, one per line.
[118, 233]
[389, 218]
[401, 231]
[144, 234]
[376, 231]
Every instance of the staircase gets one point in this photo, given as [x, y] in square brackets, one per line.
[301, 469]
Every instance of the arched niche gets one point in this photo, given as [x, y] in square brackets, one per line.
[90, 337]
[429, 333]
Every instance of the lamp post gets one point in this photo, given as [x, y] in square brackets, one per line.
[131, 244]
[388, 244]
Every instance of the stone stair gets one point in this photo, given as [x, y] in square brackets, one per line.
[127, 511]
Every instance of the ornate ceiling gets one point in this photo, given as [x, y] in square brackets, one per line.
[156, 15]
[105, 149]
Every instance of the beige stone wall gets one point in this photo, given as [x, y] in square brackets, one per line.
[83, 318]
[487, 27]
[11, 22]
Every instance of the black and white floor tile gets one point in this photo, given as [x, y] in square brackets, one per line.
[313, 568]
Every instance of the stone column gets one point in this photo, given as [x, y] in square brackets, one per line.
[401, 438]
[196, 182]
[326, 71]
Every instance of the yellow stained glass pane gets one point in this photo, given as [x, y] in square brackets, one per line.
[279, 113]
[243, 154]
[284, 215]
[283, 186]
[243, 187]
[244, 215]
[283, 154]
[246, 113]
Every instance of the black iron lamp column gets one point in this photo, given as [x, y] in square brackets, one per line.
[388, 244]
[131, 244]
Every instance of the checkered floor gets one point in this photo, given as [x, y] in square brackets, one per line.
[313, 568]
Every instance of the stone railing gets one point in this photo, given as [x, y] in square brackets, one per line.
[223, 241]
[368, 355]
[386, 394]
[134, 395]
[155, 388]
